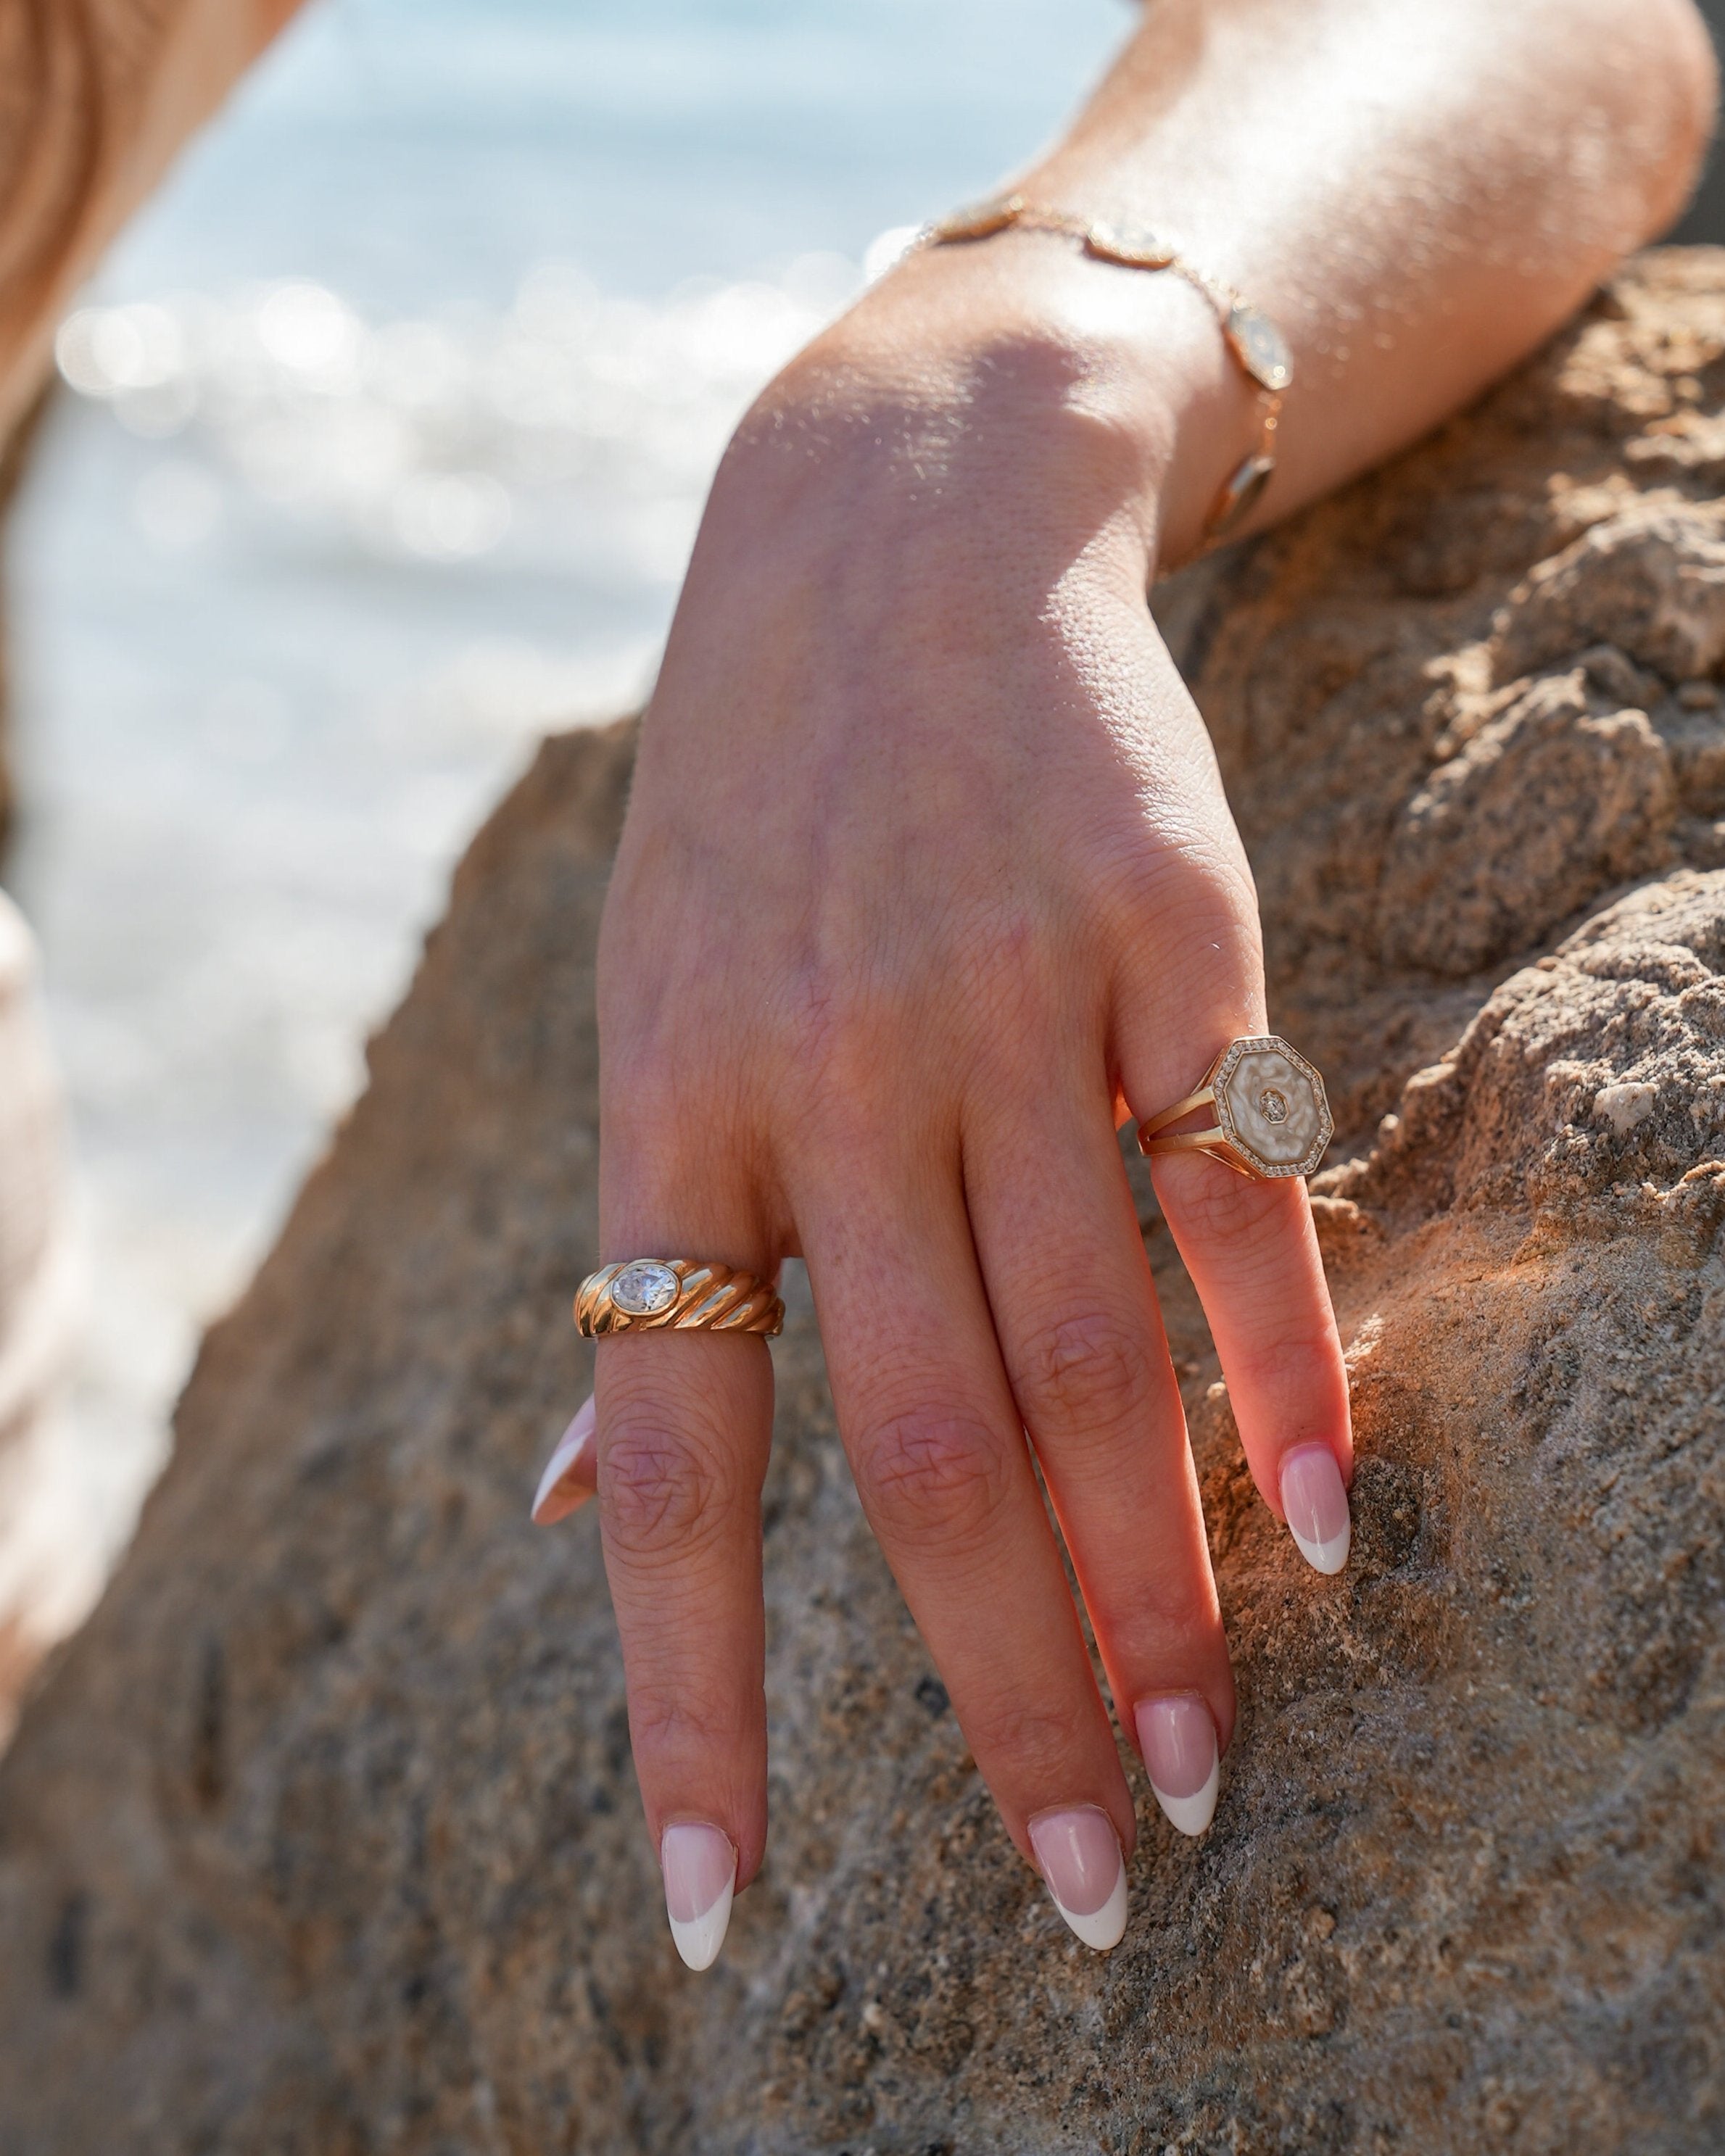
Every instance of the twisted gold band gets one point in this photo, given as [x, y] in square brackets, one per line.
[679, 1294]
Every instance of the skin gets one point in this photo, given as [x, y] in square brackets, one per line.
[928, 878]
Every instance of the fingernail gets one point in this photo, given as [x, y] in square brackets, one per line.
[1316, 1506]
[567, 1481]
[1178, 1741]
[700, 1867]
[1079, 1853]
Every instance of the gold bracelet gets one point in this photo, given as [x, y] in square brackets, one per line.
[1254, 341]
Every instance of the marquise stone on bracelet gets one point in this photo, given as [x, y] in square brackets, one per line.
[1272, 1116]
[676, 1295]
[1258, 346]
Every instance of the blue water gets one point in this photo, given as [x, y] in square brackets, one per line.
[410, 151]
[387, 429]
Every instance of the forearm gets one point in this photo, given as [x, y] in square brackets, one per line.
[1416, 195]
[96, 98]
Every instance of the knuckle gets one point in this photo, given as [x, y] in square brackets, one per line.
[931, 1478]
[640, 1097]
[667, 1720]
[842, 1037]
[1087, 1369]
[1188, 918]
[660, 1491]
[1040, 1741]
[1197, 877]
[830, 993]
[1212, 1203]
[837, 1044]
[1298, 1366]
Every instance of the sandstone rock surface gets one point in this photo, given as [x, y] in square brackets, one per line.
[321, 1837]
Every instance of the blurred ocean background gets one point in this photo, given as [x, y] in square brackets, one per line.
[384, 436]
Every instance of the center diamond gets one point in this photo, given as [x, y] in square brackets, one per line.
[645, 1288]
[1274, 1105]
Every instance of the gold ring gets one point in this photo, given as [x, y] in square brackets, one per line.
[1272, 1118]
[652, 1295]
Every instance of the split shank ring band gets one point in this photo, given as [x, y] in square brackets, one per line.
[676, 1295]
[1272, 1119]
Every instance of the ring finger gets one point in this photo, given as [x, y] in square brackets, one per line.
[1251, 1249]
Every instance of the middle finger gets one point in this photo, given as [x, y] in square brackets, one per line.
[938, 1450]
[1075, 1310]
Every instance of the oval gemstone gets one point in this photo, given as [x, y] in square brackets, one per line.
[645, 1288]
[1259, 346]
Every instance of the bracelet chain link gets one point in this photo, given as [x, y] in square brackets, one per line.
[1257, 345]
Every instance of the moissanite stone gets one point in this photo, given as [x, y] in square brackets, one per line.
[1271, 1103]
[645, 1288]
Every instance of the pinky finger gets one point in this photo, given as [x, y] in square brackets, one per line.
[572, 1474]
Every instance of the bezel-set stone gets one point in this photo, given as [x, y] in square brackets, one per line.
[977, 220]
[1259, 346]
[1240, 491]
[1262, 1065]
[1132, 246]
[645, 1288]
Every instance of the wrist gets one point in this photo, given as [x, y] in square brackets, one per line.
[1020, 380]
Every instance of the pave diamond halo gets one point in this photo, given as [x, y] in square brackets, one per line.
[1271, 1104]
[1272, 1118]
[645, 1288]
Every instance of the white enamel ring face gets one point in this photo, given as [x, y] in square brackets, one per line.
[1271, 1105]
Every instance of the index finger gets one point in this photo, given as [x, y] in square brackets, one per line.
[685, 1423]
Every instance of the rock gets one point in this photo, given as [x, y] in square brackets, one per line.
[1651, 579]
[46, 1565]
[322, 1836]
[1541, 808]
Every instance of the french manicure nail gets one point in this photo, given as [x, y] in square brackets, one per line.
[700, 1867]
[1079, 1853]
[559, 1492]
[1178, 1741]
[1316, 1506]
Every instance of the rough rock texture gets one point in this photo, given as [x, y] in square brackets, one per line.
[321, 1837]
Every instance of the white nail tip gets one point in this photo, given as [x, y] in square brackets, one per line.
[544, 1513]
[1192, 1814]
[1102, 1928]
[556, 1497]
[1325, 1557]
[699, 1938]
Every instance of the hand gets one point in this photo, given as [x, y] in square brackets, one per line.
[927, 877]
